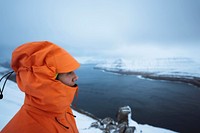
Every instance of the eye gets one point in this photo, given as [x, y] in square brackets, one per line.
[69, 73]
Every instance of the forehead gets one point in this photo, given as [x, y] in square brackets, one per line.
[67, 73]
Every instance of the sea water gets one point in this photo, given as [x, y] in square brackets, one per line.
[166, 104]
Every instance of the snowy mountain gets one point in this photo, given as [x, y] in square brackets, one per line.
[90, 60]
[13, 100]
[176, 69]
[170, 66]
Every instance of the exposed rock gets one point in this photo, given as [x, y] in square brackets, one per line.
[107, 121]
[130, 130]
[108, 125]
[122, 115]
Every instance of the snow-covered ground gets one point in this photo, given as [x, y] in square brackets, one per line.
[180, 67]
[13, 100]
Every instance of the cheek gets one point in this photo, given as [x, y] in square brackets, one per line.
[67, 80]
[64, 79]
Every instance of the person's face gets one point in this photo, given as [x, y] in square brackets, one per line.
[68, 78]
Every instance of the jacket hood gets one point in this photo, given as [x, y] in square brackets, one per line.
[35, 65]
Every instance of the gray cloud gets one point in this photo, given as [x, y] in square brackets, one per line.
[97, 28]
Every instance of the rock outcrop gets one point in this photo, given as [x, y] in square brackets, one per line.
[123, 123]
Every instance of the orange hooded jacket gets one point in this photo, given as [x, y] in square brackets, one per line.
[46, 107]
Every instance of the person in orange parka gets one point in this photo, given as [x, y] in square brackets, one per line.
[45, 73]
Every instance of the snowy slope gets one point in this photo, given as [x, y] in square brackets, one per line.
[13, 99]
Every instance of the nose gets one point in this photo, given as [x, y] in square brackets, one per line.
[75, 77]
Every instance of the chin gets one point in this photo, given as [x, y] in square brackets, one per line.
[74, 85]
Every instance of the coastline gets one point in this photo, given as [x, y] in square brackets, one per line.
[184, 79]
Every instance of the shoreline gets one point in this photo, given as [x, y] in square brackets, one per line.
[187, 79]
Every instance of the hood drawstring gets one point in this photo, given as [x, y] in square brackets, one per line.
[61, 123]
[8, 75]
[71, 114]
[66, 118]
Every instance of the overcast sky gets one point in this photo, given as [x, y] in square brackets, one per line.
[104, 28]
